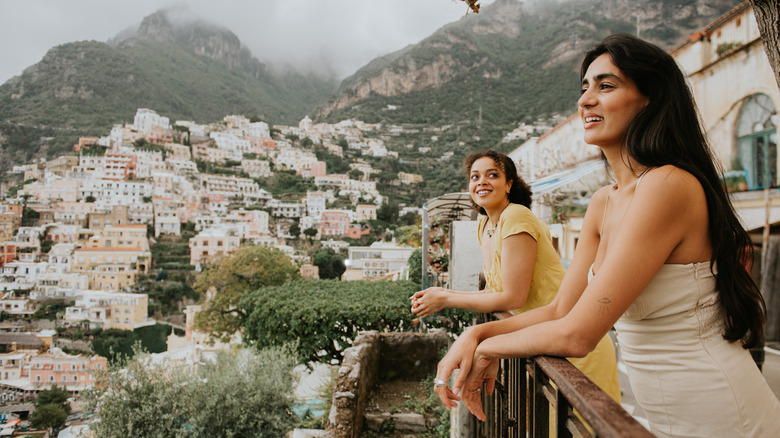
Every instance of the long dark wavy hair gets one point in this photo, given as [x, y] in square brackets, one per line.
[668, 131]
[519, 193]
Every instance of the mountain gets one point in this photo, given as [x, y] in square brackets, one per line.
[512, 62]
[193, 71]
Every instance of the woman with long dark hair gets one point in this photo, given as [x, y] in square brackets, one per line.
[521, 267]
[661, 257]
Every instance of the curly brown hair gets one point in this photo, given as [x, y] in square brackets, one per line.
[519, 193]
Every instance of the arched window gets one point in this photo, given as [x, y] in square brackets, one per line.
[757, 141]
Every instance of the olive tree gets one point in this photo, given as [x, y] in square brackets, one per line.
[224, 283]
[237, 395]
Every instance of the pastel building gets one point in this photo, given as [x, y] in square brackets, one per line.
[335, 223]
[379, 259]
[55, 367]
[213, 242]
[108, 310]
[365, 212]
[147, 120]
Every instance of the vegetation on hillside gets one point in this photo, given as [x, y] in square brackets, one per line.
[238, 395]
[229, 278]
[505, 77]
[84, 88]
[325, 316]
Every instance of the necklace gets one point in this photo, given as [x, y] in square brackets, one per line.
[490, 231]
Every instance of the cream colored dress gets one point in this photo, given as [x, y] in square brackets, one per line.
[687, 378]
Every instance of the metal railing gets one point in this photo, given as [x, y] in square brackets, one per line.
[548, 396]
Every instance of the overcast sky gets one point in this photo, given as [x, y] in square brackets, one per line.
[349, 33]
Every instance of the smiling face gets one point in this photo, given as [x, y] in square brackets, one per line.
[488, 186]
[609, 101]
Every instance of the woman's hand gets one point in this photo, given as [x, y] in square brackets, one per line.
[459, 357]
[429, 301]
[484, 371]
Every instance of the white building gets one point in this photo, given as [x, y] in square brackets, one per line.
[109, 193]
[379, 259]
[147, 120]
[286, 209]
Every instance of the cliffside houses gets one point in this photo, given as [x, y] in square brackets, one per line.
[79, 227]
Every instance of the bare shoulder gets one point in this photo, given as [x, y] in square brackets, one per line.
[672, 191]
[672, 181]
[594, 214]
[599, 198]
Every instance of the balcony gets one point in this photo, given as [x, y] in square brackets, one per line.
[532, 393]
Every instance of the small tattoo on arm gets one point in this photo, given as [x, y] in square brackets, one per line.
[605, 302]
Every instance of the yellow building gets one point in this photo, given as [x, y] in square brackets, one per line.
[111, 268]
[122, 236]
[9, 223]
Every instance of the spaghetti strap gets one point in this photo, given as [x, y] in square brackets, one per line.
[603, 218]
[639, 180]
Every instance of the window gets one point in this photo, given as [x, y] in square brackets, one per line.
[37, 378]
[757, 141]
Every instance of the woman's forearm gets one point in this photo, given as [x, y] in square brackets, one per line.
[484, 302]
[517, 322]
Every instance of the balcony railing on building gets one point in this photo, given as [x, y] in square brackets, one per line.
[538, 397]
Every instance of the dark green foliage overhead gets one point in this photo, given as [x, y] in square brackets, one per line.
[325, 316]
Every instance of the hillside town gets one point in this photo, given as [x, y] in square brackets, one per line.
[79, 229]
[84, 235]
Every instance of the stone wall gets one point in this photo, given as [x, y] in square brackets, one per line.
[390, 355]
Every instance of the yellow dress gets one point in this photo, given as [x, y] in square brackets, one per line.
[600, 365]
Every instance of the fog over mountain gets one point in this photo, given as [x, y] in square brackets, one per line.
[338, 36]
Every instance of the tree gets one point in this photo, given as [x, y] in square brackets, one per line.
[49, 417]
[409, 218]
[51, 409]
[249, 268]
[388, 212]
[55, 395]
[768, 16]
[247, 393]
[325, 316]
[310, 232]
[295, 229]
[307, 142]
[330, 264]
[415, 266]
[90, 198]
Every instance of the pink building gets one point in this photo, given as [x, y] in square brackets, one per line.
[318, 168]
[118, 165]
[334, 223]
[63, 369]
[213, 242]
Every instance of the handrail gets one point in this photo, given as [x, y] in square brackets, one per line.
[528, 390]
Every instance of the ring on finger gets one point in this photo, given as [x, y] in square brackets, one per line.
[438, 382]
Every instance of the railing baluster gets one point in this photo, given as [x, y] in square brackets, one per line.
[527, 389]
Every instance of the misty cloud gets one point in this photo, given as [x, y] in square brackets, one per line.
[337, 35]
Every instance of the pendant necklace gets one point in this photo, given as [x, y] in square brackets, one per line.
[490, 231]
